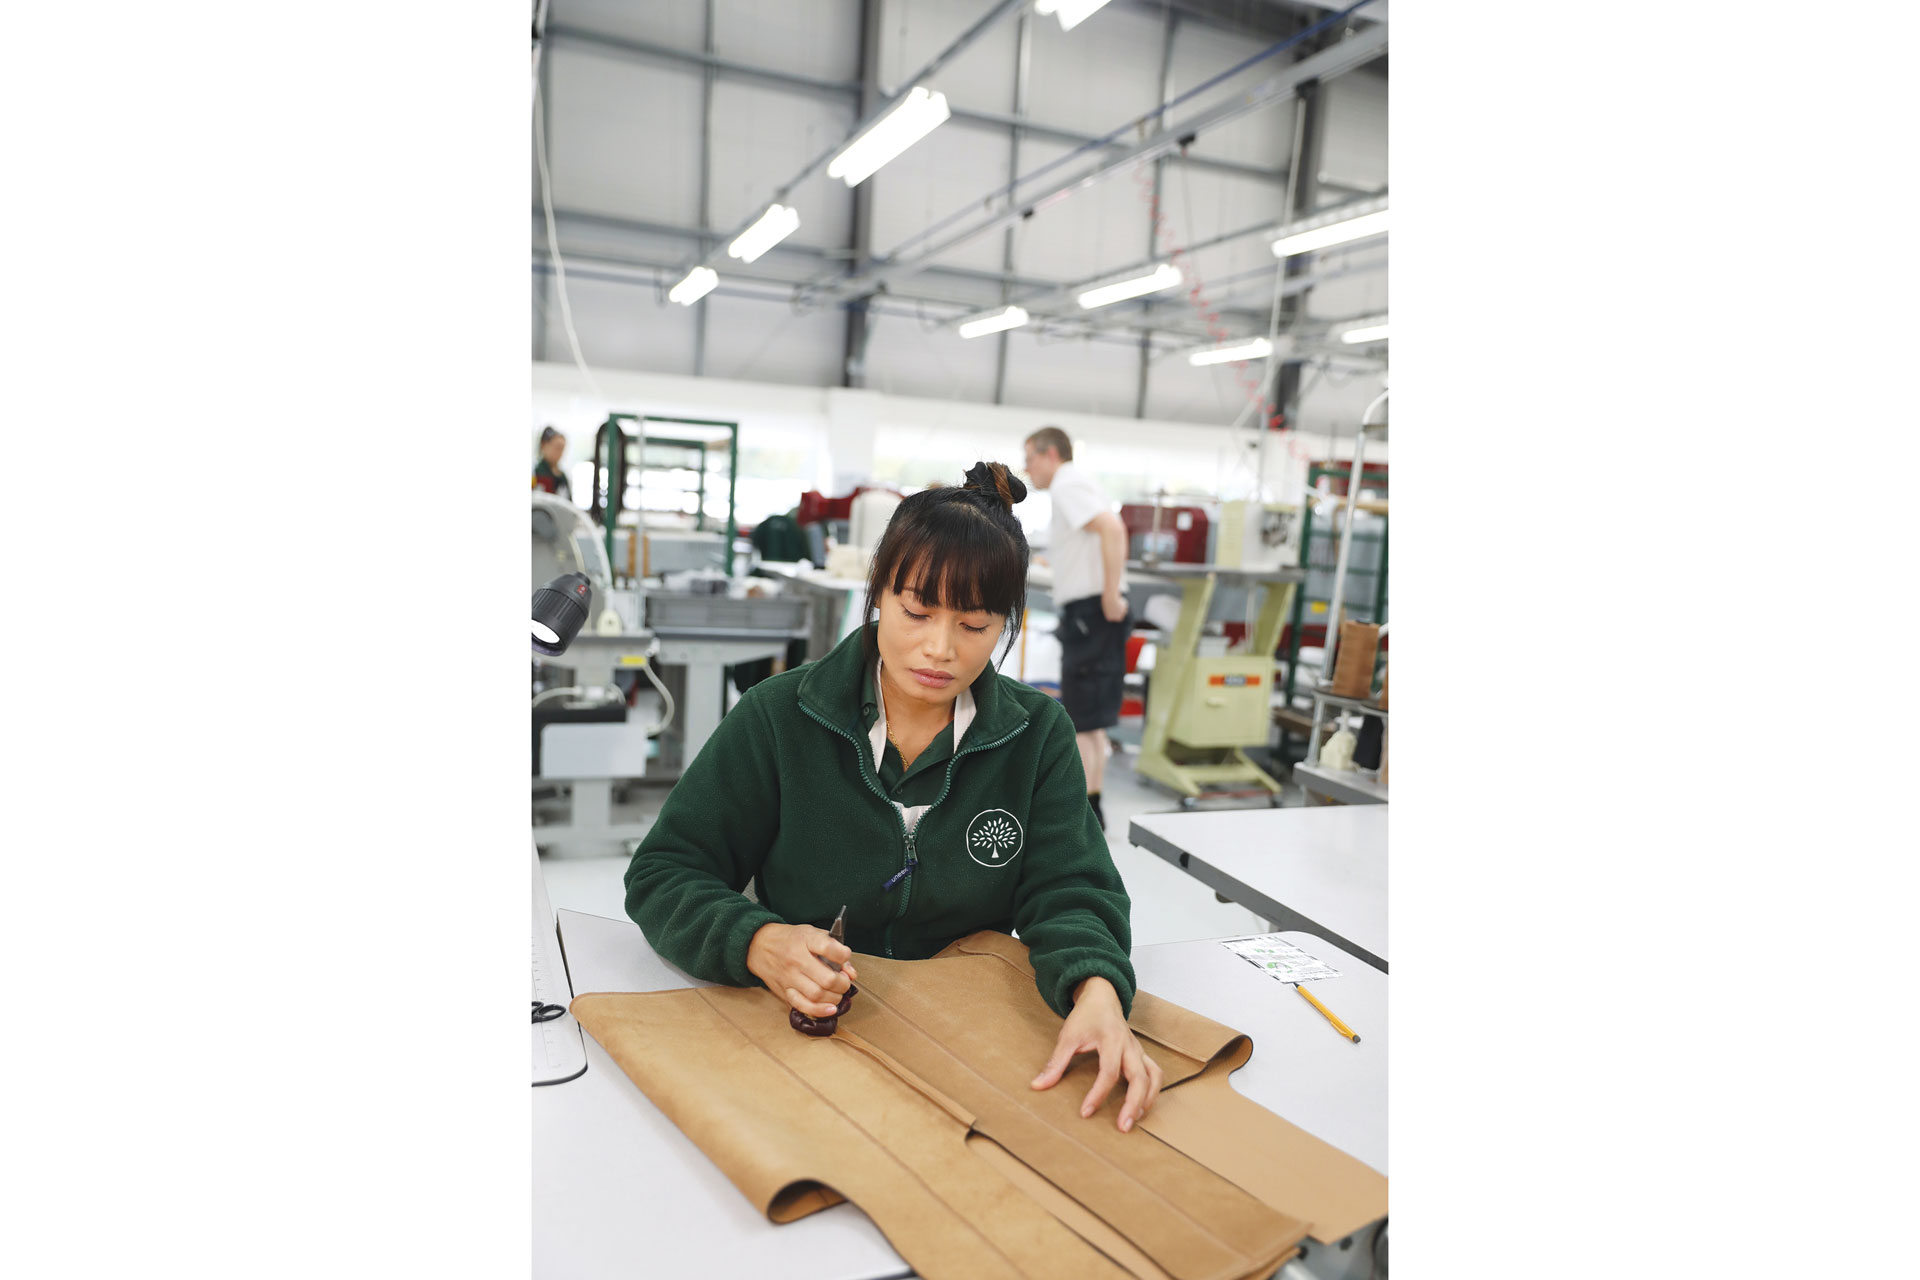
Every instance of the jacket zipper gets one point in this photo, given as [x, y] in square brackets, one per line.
[860, 763]
[906, 836]
[947, 786]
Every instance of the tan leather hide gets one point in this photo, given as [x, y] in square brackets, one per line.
[919, 1110]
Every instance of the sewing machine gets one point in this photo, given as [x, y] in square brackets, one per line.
[588, 745]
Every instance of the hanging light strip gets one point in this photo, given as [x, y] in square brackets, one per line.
[775, 225]
[698, 284]
[1165, 276]
[1350, 222]
[911, 119]
[993, 322]
[1370, 330]
[1070, 12]
[1232, 352]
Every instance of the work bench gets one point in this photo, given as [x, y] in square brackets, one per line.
[619, 1191]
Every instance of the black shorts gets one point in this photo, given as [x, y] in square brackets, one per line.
[1093, 663]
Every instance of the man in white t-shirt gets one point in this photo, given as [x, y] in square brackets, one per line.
[1087, 550]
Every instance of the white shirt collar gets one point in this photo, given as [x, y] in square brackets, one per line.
[877, 737]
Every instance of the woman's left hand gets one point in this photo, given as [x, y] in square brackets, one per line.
[1097, 1024]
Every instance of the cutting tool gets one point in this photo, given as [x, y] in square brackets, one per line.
[826, 1026]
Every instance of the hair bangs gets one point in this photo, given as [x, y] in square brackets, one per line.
[957, 547]
[943, 547]
[956, 560]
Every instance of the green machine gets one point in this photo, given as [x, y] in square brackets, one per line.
[1204, 710]
[614, 472]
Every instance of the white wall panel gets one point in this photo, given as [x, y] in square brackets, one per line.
[1095, 230]
[1200, 204]
[679, 24]
[1177, 390]
[1362, 293]
[626, 137]
[1222, 274]
[905, 358]
[622, 326]
[1104, 227]
[917, 440]
[808, 37]
[761, 137]
[1098, 76]
[1354, 149]
[1263, 137]
[914, 31]
[586, 239]
[1083, 376]
[927, 441]
[1333, 402]
[767, 341]
[945, 170]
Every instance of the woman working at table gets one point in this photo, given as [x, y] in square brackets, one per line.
[904, 777]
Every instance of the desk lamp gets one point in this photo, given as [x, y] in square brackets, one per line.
[559, 610]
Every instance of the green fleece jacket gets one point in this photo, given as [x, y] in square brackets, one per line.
[785, 795]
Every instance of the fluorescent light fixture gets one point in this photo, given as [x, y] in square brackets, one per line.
[1257, 349]
[1070, 12]
[1332, 233]
[911, 119]
[1164, 276]
[1372, 330]
[698, 284]
[993, 322]
[775, 225]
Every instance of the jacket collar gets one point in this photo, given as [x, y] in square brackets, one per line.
[834, 688]
[963, 713]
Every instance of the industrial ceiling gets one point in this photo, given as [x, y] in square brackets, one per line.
[1154, 134]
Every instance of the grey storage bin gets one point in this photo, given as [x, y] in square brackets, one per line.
[766, 613]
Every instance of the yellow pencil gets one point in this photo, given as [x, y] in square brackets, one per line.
[1338, 1025]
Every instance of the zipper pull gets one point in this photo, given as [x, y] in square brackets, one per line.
[903, 872]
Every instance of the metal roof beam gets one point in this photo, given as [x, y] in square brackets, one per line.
[1282, 86]
[848, 91]
[774, 288]
[643, 226]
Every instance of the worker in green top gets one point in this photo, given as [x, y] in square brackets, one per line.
[547, 476]
[904, 777]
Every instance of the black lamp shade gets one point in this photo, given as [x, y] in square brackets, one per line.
[559, 611]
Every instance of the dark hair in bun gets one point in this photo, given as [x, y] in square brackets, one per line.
[958, 547]
[994, 478]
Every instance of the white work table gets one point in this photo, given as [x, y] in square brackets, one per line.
[1321, 870]
[618, 1190]
[1302, 1069]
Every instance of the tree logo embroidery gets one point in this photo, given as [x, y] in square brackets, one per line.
[994, 838]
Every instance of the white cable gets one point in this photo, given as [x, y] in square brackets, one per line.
[553, 248]
[579, 694]
[666, 715]
[614, 694]
[559, 691]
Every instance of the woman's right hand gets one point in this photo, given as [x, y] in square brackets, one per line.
[792, 960]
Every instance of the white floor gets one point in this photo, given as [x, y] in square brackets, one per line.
[1168, 904]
